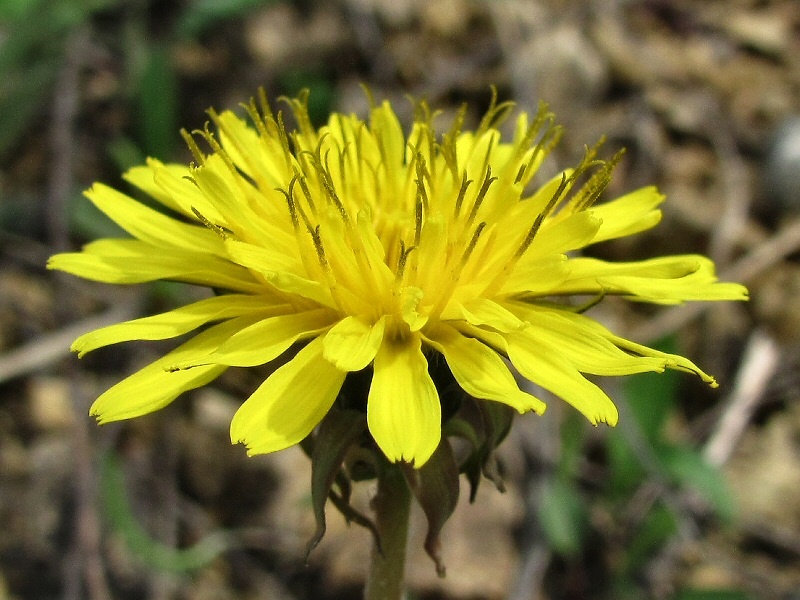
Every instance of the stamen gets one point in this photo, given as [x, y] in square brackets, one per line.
[591, 303]
[548, 141]
[455, 273]
[537, 223]
[213, 227]
[208, 136]
[591, 190]
[487, 181]
[199, 157]
[465, 183]
[263, 124]
[495, 115]
[299, 108]
[317, 239]
[472, 243]
[327, 183]
[306, 192]
[422, 175]
[418, 220]
[292, 208]
[287, 153]
[266, 110]
[448, 146]
[342, 166]
[402, 259]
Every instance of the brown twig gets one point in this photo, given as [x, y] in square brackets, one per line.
[87, 542]
[53, 346]
[735, 189]
[761, 357]
[62, 143]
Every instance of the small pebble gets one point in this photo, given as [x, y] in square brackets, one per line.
[782, 167]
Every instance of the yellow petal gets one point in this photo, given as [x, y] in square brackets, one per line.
[537, 276]
[144, 178]
[403, 410]
[289, 404]
[260, 158]
[177, 189]
[628, 214]
[352, 344]
[482, 311]
[152, 226]
[265, 340]
[569, 233]
[391, 141]
[179, 321]
[544, 366]
[263, 259]
[290, 283]
[234, 197]
[666, 280]
[480, 371]
[584, 343]
[154, 386]
[673, 361]
[133, 261]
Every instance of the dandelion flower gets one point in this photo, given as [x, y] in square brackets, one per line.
[368, 248]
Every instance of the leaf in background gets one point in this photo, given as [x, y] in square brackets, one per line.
[572, 437]
[34, 34]
[562, 516]
[711, 594]
[689, 468]
[321, 99]
[204, 14]
[152, 552]
[651, 396]
[89, 223]
[125, 154]
[158, 105]
[655, 530]
[626, 471]
[11, 11]
[21, 98]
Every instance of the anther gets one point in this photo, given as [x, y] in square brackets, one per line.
[199, 157]
[487, 181]
[472, 243]
[292, 208]
[215, 228]
[465, 183]
[317, 239]
[402, 259]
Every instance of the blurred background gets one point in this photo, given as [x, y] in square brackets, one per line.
[694, 496]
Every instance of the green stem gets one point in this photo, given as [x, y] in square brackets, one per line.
[387, 563]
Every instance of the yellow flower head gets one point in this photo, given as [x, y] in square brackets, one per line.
[368, 247]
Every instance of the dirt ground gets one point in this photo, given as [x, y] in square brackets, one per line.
[705, 96]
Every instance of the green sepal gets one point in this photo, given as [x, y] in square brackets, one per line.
[492, 421]
[339, 431]
[497, 418]
[435, 486]
[484, 425]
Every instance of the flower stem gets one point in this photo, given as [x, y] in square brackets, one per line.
[387, 563]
